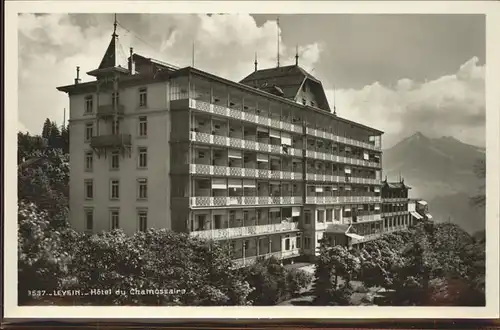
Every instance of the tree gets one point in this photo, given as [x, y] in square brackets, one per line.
[42, 263]
[195, 272]
[45, 181]
[334, 263]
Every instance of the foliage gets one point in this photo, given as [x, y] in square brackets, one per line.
[334, 263]
[195, 271]
[42, 262]
[272, 283]
[45, 181]
[430, 264]
[298, 280]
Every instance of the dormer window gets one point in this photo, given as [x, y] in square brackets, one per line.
[304, 101]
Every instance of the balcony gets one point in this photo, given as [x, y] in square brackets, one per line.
[369, 217]
[238, 263]
[208, 201]
[341, 199]
[111, 141]
[393, 214]
[341, 179]
[229, 233]
[203, 169]
[330, 136]
[245, 116]
[366, 238]
[226, 141]
[395, 200]
[341, 159]
[108, 110]
[274, 123]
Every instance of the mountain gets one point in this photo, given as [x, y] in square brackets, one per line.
[442, 171]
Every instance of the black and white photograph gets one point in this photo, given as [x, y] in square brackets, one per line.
[236, 159]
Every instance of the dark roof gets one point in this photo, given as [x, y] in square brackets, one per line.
[109, 58]
[396, 185]
[288, 78]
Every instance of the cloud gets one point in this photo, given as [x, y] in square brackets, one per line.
[51, 46]
[452, 105]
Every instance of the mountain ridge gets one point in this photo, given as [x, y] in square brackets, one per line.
[442, 171]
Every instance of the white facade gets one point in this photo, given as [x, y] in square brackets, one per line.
[129, 205]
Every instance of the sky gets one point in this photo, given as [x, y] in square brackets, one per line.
[397, 73]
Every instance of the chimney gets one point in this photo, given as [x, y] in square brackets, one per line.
[77, 79]
[131, 64]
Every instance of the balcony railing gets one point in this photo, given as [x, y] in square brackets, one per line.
[341, 159]
[341, 199]
[366, 238]
[341, 179]
[111, 141]
[368, 217]
[249, 117]
[204, 169]
[393, 214]
[340, 139]
[201, 201]
[278, 255]
[233, 142]
[227, 233]
[108, 110]
[274, 123]
[395, 200]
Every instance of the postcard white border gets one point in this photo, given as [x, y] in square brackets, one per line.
[491, 9]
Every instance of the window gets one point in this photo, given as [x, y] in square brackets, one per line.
[287, 244]
[313, 104]
[142, 216]
[247, 244]
[143, 157]
[142, 188]
[143, 126]
[115, 98]
[115, 128]
[218, 221]
[115, 160]
[143, 97]
[115, 219]
[115, 189]
[299, 240]
[89, 104]
[89, 189]
[307, 217]
[304, 101]
[89, 131]
[89, 219]
[89, 161]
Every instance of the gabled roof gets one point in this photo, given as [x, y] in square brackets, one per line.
[288, 78]
[395, 185]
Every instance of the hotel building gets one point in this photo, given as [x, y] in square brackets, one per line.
[263, 165]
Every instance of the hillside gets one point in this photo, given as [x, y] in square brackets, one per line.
[441, 171]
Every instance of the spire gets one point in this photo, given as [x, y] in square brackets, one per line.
[192, 64]
[334, 104]
[278, 26]
[109, 58]
[255, 63]
[114, 35]
[297, 55]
